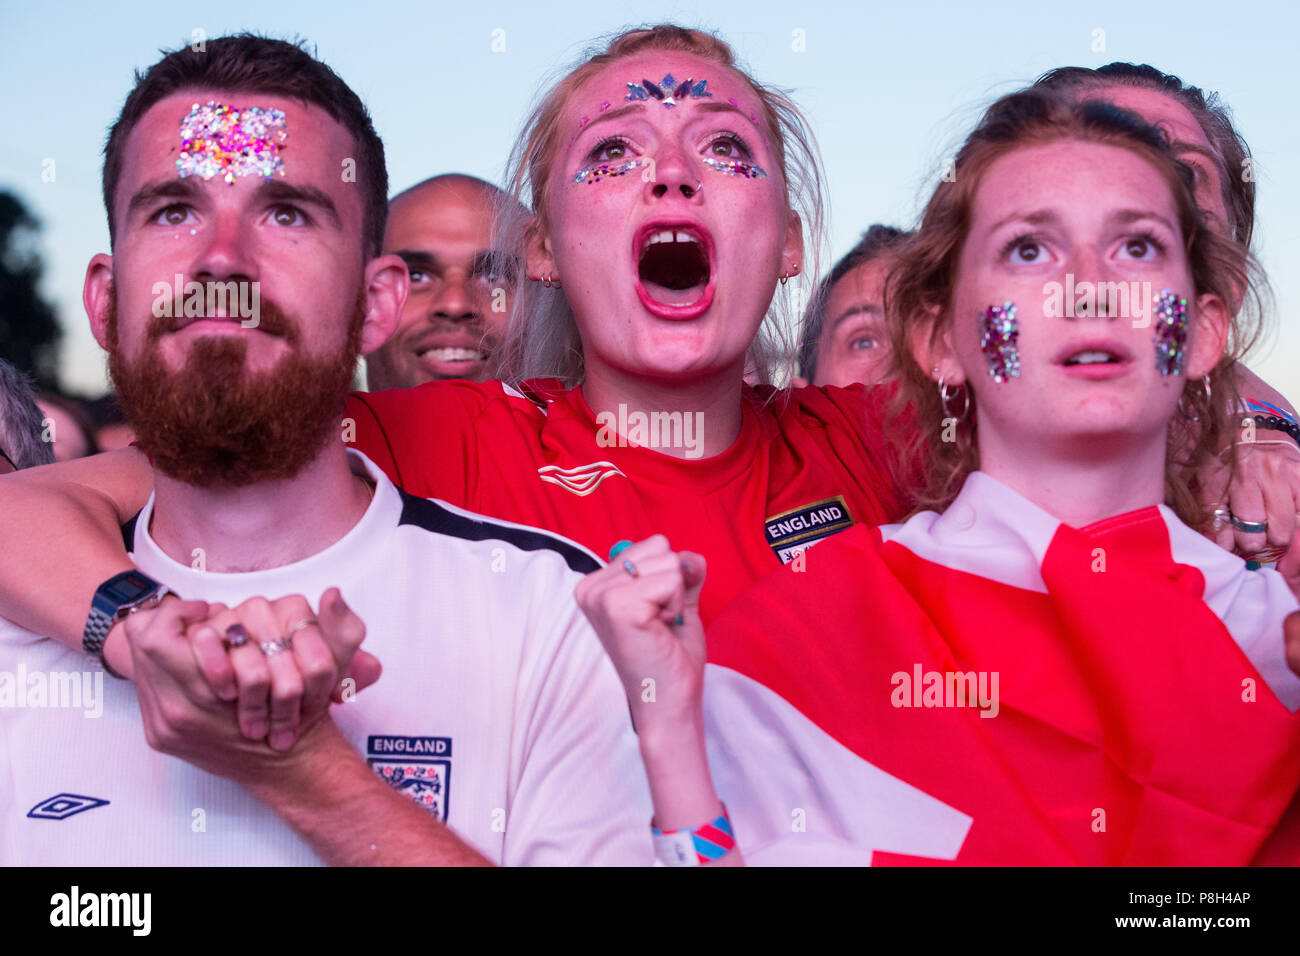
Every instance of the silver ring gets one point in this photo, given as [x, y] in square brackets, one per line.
[299, 625]
[271, 648]
[630, 568]
[1249, 527]
[236, 636]
[1222, 516]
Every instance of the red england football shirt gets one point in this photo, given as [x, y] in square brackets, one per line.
[807, 464]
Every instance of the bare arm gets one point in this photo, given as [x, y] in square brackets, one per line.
[63, 531]
[350, 817]
[1250, 385]
[322, 788]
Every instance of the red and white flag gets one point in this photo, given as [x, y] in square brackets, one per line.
[991, 686]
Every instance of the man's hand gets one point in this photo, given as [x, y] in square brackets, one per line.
[283, 692]
[277, 696]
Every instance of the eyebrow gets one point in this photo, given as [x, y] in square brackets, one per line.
[1211, 158]
[280, 191]
[160, 189]
[271, 191]
[418, 257]
[1045, 216]
[482, 259]
[639, 106]
[614, 114]
[872, 310]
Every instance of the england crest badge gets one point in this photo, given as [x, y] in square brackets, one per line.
[419, 767]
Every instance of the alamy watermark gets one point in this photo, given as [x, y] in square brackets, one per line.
[197, 300]
[1117, 300]
[922, 688]
[683, 430]
[71, 690]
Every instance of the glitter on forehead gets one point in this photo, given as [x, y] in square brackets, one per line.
[999, 335]
[594, 174]
[1170, 332]
[231, 142]
[735, 167]
[667, 91]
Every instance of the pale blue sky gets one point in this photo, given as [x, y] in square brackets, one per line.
[888, 89]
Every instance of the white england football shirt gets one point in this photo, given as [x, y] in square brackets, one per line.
[497, 712]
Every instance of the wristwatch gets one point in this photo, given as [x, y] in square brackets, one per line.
[117, 597]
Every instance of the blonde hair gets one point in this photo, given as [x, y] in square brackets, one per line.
[542, 335]
[920, 292]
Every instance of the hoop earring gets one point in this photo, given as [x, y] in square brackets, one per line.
[1209, 401]
[945, 396]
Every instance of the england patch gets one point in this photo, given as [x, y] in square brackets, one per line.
[793, 531]
[419, 767]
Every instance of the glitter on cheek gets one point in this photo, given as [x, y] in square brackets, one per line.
[735, 167]
[999, 335]
[194, 232]
[220, 140]
[1170, 332]
[594, 174]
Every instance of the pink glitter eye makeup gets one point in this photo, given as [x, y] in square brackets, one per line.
[999, 337]
[735, 167]
[594, 174]
[226, 141]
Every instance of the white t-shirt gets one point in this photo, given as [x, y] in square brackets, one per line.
[497, 711]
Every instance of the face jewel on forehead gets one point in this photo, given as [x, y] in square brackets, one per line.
[735, 167]
[668, 91]
[231, 142]
[999, 338]
[1170, 332]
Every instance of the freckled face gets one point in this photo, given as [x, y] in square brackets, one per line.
[852, 347]
[1105, 215]
[297, 235]
[669, 225]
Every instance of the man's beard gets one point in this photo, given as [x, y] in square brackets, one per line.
[212, 423]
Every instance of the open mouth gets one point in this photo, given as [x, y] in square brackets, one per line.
[1093, 357]
[673, 269]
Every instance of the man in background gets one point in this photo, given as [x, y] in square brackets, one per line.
[455, 316]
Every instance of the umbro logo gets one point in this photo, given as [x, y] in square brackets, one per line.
[582, 480]
[64, 805]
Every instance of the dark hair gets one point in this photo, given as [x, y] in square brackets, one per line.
[876, 242]
[20, 421]
[247, 63]
[1207, 109]
[920, 290]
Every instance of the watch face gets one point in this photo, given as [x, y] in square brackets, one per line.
[129, 587]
